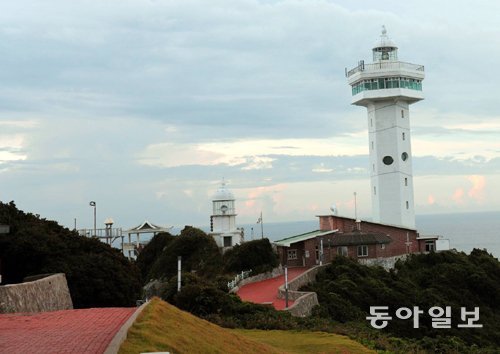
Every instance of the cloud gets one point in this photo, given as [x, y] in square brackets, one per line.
[476, 192]
[458, 196]
[171, 155]
[322, 169]
[258, 163]
[134, 103]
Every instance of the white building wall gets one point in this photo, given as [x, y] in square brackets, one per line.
[391, 184]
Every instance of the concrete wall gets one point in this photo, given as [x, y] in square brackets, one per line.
[386, 263]
[304, 301]
[47, 294]
[303, 306]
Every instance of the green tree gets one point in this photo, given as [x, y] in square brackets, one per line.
[97, 274]
[199, 254]
[257, 255]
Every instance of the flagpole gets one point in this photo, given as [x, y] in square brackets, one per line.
[261, 226]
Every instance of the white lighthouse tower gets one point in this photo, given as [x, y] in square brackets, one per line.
[386, 88]
[223, 220]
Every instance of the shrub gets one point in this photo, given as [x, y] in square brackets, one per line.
[97, 274]
[257, 255]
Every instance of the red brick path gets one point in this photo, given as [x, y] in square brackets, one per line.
[67, 331]
[266, 291]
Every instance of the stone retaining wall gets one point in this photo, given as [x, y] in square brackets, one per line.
[387, 262]
[302, 307]
[47, 294]
[304, 301]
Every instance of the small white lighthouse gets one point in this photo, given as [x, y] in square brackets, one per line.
[223, 220]
[386, 88]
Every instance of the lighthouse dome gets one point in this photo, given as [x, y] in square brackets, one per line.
[384, 41]
[223, 193]
[384, 48]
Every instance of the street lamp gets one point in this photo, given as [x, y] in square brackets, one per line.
[92, 204]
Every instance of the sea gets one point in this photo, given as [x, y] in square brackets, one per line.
[465, 231]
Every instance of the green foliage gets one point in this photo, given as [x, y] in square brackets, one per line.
[199, 254]
[346, 290]
[148, 256]
[257, 255]
[97, 274]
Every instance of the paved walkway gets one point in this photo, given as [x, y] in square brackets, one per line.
[266, 291]
[68, 331]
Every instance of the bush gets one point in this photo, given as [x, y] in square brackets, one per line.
[257, 255]
[148, 256]
[199, 254]
[97, 274]
[347, 289]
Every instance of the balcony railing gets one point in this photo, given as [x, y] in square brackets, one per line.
[384, 65]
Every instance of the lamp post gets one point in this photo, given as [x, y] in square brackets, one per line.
[93, 204]
[321, 252]
[286, 286]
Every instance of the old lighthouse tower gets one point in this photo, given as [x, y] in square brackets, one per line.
[387, 87]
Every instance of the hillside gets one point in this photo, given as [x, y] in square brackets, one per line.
[163, 327]
[98, 275]
[347, 289]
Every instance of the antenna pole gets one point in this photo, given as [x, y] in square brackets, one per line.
[261, 226]
[355, 207]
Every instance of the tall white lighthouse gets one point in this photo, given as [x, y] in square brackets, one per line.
[386, 88]
[223, 219]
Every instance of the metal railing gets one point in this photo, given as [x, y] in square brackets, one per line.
[101, 233]
[239, 277]
[384, 65]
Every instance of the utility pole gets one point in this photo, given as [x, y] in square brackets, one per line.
[286, 286]
[261, 226]
[321, 252]
[179, 261]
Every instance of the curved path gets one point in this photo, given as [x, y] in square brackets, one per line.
[266, 291]
[67, 331]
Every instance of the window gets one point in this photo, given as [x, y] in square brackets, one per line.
[403, 136]
[373, 145]
[371, 122]
[373, 167]
[407, 205]
[362, 251]
[292, 254]
[342, 251]
[429, 246]
[388, 160]
[228, 241]
[386, 83]
[374, 190]
[406, 182]
[404, 156]
[402, 113]
[382, 246]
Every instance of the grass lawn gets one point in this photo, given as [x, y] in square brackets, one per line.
[305, 342]
[163, 327]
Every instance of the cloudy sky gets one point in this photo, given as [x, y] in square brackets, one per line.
[143, 106]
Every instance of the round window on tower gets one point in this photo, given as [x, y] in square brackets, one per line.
[388, 160]
[223, 209]
[404, 156]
